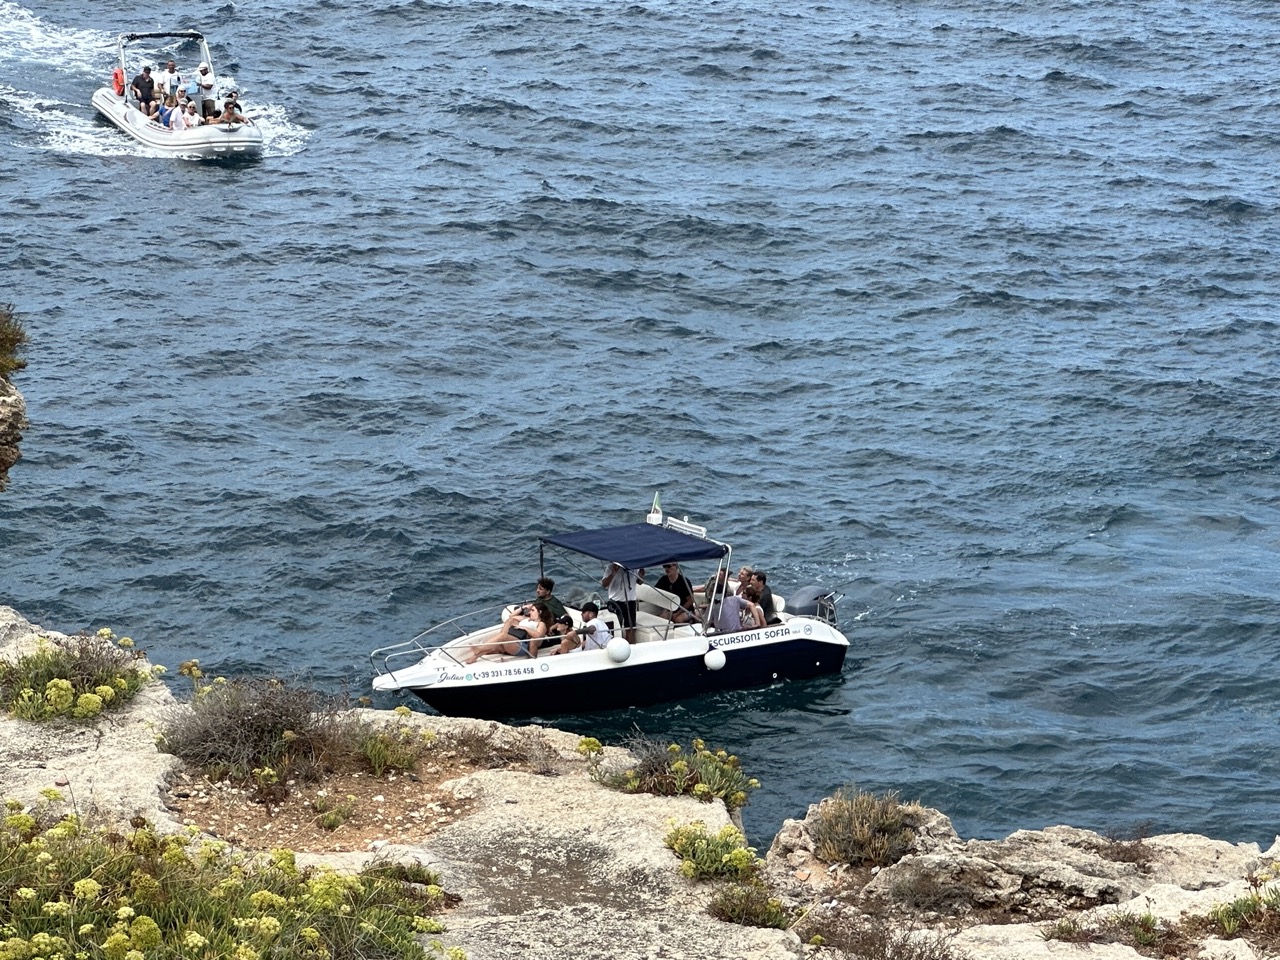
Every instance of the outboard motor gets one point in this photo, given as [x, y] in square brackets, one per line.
[814, 600]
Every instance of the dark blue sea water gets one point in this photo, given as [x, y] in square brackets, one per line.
[970, 307]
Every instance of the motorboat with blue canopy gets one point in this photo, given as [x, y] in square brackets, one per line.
[671, 653]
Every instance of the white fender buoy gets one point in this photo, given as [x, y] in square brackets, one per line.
[713, 658]
[618, 649]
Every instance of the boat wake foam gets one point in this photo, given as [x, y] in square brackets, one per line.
[87, 56]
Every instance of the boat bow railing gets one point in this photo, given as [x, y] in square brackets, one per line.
[434, 638]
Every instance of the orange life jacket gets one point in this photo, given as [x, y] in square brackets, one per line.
[117, 80]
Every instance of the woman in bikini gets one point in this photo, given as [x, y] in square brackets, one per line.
[514, 640]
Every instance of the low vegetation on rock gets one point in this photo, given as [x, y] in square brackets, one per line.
[862, 829]
[12, 339]
[667, 770]
[870, 938]
[73, 891]
[271, 732]
[1254, 918]
[75, 677]
[724, 856]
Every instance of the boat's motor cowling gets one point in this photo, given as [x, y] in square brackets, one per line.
[814, 600]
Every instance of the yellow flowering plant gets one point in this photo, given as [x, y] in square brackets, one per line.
[668, 770]
[74, 677]
[147, 895]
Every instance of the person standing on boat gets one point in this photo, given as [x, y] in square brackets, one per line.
[144, 91]
[170, 81]
[204, 90]
[621, 584]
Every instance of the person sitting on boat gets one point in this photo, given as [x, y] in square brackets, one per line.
[542, 591]
[751, 615]
[170, 81]
[233, 97]
[517, 640]
[230, 114]
[193, 118]
[594, 633]
[760, 580]
[179, 118]
[714, 591]
[621, 584]
[744, 577]
[166, 110]
[674, 582]
[561, 630]
[738, 613]
[144, 91]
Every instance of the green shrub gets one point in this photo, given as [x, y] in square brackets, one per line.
[71, 891]
[386, 749]
[1071, 930]
[416, 873]
[861, 829]
[76, 677]
[330, 812]
[705, 856]
[666, 770]
[750, 905]
[12, 338]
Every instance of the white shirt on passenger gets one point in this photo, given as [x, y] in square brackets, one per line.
[595, 634]
[168, 82]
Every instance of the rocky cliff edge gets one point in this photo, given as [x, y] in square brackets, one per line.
[554, 865]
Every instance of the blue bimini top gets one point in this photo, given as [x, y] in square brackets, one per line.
[638, 545]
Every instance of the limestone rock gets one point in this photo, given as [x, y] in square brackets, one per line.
[1227, 950]
[550, 863]
[111, 768]
[13, 421]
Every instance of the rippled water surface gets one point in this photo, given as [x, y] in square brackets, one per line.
[967, 308]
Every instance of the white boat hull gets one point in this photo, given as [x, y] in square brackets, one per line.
[209, 141]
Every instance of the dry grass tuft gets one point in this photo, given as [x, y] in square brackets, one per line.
[857, 828]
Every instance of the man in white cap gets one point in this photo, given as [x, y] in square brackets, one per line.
[204, 80]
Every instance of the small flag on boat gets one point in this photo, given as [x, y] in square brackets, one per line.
[655, 512]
